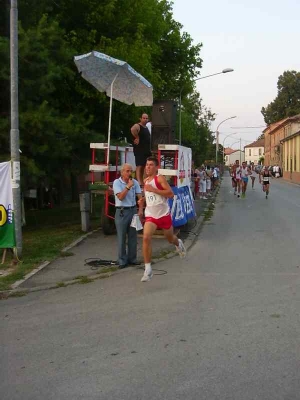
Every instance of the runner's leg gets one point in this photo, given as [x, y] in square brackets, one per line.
[267, 190]
[169, 235]
[238, 182]
[171, 238]
[149, 229]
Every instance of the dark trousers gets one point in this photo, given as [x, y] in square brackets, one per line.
[124, 231]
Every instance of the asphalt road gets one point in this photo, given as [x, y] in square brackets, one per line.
[221, 324]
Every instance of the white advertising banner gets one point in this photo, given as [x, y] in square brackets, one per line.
[184, 166]
[7, 226]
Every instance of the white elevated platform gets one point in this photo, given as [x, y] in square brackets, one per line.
[118, 155]
[175, 163]
[171, 147]
[103, 146]
[167, 172]
[103, 168]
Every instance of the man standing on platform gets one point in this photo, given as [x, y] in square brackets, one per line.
[157, 214]
[126, 190]
[141, 146]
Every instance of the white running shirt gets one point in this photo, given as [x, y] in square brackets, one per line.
[238, 173]
[157, 206]
[244, 172]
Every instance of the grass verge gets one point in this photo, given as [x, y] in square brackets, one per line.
[46, 233]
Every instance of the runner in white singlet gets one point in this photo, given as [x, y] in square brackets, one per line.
[253, 174]
[245, 172]
[237, 176]
[157, 214]
[157, 205]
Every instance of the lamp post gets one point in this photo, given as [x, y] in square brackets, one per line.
[224, 71]
[217, 136]
[231, 134]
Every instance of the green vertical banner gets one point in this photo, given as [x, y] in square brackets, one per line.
[7, 226]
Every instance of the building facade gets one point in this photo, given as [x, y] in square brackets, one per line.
[254, 151]
[235, 155]
[291, 150]
[227, 152]
[282, 147]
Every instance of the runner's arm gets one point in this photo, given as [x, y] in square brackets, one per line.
[141, 203]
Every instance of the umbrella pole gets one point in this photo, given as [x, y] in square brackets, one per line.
[109, 121]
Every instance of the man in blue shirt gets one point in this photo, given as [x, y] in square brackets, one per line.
[126, 190]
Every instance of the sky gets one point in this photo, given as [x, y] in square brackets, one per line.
[259, 40]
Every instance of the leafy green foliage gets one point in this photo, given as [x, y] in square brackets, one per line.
[61, 113]
[287, 102]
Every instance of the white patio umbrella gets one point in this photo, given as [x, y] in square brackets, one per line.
[117, 79]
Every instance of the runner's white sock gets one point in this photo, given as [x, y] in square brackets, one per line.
[148, 268]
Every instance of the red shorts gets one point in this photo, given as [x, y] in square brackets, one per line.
[161, 223]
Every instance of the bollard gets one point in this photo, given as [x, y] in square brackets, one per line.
[85, 206]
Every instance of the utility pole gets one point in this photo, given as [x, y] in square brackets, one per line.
[14, 131]
[240, 151]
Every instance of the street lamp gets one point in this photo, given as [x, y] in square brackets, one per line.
[217, 136]
[224, 71]
[231, 134]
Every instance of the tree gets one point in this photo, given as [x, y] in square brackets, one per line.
[287, 102]
[196, 133]
[53, 125]
[60, 113]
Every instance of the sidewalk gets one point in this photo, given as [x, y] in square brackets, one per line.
[73, 268]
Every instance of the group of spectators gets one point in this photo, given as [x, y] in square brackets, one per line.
[276, 171]
[204, 181]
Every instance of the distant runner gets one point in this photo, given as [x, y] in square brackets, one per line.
[253, 175]
[236, 177]
[264, 178]
[245, 172]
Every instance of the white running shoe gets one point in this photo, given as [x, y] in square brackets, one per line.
[147, 276]
[181, 249]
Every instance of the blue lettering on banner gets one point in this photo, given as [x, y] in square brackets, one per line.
[182, 208]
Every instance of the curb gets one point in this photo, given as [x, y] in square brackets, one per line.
[189, 242]
[33, 272]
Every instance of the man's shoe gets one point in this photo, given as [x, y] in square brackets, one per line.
[147, 276]
[122, 266]
[181, 249]
[134, 263]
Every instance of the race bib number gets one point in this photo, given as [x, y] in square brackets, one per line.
[153, 199]
[266, 179]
